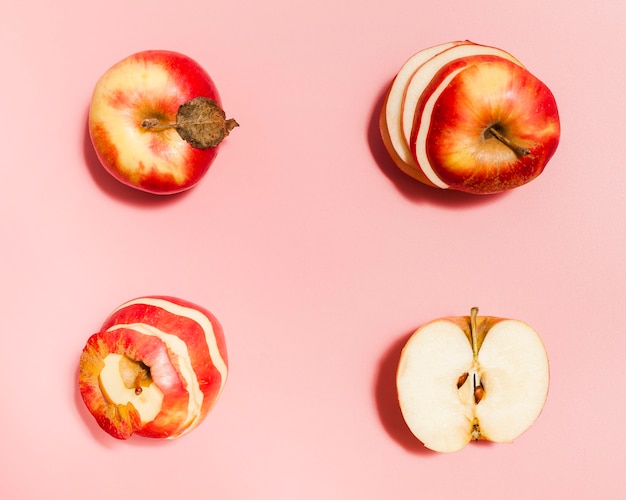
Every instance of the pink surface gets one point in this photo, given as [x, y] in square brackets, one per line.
[317, 255]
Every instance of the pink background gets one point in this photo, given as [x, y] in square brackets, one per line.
[317, 255]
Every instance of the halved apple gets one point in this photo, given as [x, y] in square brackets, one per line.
[469, 378]
[155, 369]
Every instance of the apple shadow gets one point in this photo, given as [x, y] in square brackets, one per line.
[116, 189]
[386, 396]
[410, 188]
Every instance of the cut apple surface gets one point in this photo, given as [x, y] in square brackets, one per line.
[155, 369]
[469, 117]
[470, 378]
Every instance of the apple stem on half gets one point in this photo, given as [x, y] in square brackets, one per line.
[479, 390]
[519, 151]
[473, 334]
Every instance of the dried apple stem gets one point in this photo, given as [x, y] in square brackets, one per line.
[519, 151]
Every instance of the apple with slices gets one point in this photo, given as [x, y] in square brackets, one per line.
[155, 121]
[469, 378]
[156, 368]
[469, 117]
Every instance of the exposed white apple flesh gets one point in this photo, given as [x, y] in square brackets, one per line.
[124, 381]
[470, 378]
[392, 111]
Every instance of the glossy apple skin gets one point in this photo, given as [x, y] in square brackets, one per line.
[122, 333]
[491, 90]
[146, 85]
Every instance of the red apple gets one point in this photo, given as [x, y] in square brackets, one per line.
[471, 118]
[473, 377]
[156, 121]
[155, 369]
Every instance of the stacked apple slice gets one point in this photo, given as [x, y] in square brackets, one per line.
[156, 368]
[469, 117]
[468, 378]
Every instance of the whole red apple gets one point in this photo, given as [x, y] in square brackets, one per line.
[469, 117]
[155, 368]
[155, 121]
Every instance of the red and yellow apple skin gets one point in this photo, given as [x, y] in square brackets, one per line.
[150, 85]
[478, 120]
[462, 152]
[155, 369]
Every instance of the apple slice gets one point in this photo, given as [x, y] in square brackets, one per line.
[470, 378]
[155, 369]
[391, 114]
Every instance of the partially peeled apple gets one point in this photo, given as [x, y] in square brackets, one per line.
[472, 378]
[469, 117]
[156, 368]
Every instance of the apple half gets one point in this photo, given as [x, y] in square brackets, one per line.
[155, 369]
[469, 378]
[469, 117]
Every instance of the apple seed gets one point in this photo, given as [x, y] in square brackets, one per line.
[479, 391]
[462, 380]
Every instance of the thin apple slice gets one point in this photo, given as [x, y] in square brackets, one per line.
[470, 378]
[392, 109]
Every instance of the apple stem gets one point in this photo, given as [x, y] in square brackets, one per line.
[479, 391]
[519, 151]
[138, 379]
[153, 124]
[473, 315]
